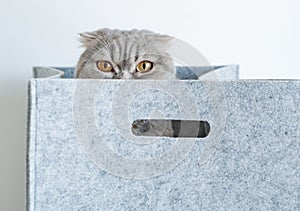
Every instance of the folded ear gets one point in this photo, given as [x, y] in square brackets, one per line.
[160, 38]
[87, 38]
[163, 38]
[163, 42]
[90, 39]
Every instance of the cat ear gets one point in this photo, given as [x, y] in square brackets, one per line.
[161, 39]
[87, 38]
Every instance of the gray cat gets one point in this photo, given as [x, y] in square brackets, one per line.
[116, 54]
[134, 54]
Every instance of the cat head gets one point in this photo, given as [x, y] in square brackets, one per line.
[116, 54]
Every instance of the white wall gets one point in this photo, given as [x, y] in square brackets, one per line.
[260, 35]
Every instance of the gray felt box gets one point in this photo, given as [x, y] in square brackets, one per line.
[83, 156]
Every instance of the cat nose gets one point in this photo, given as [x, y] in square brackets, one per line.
[126, 75]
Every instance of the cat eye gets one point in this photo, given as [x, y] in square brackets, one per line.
[144, 66]
[104, 66]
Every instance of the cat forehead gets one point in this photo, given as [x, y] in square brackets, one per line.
[130, 55]
[126, 49]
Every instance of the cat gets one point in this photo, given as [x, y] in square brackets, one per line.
[128, 54]
[121, 54]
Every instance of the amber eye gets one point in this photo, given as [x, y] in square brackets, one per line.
[104, 66]
[144, 66]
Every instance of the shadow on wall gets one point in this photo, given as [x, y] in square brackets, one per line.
[13, 98]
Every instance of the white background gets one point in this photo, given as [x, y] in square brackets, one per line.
[260, 35]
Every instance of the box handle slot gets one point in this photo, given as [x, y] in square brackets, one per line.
[170, 128]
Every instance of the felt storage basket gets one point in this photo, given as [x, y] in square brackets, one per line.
[82, 155]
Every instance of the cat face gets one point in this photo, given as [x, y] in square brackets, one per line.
[115, 54]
